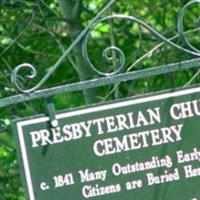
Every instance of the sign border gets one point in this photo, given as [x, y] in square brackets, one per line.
[94, 108]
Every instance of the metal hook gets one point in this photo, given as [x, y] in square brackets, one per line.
[51, 112]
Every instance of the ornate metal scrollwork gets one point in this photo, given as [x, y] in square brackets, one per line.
[106, 52]
[181, 25]
[107, 57]
[15, 75]
[192, 50]
[15, 78]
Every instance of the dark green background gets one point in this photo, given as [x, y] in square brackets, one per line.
[70, 157]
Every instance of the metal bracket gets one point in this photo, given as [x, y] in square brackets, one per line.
[51, 112]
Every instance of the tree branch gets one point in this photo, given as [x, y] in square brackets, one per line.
[71, 10]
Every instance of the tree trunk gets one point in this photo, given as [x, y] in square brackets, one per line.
[71, 10]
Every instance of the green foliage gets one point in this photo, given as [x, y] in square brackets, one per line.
[36, 32]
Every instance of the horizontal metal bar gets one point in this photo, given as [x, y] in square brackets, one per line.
[101, 82]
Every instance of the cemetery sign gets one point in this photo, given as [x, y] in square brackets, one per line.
[143, 148]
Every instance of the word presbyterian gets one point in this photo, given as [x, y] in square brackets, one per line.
[99, 126]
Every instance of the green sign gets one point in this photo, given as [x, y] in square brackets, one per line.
[141, 148]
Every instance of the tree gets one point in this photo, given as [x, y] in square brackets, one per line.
[39, 32]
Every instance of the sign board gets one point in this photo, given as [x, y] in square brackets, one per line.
[141, 148]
